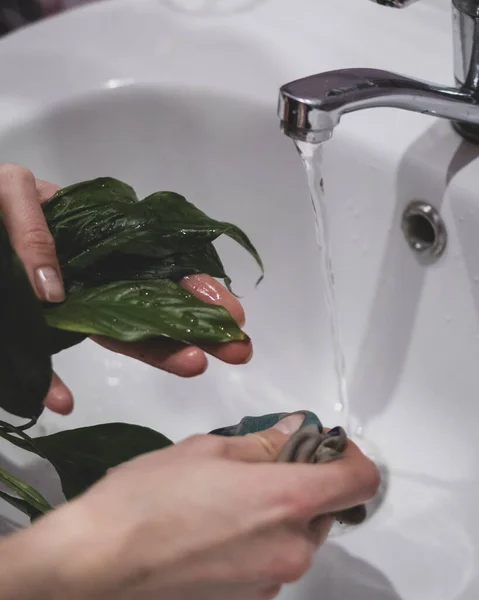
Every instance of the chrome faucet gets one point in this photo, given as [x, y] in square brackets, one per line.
[310, 108]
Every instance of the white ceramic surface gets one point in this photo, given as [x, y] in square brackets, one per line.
[182, 95]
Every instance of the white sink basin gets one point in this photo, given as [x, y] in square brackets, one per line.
[171, 99]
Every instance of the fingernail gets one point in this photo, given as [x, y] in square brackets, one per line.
[49, 284]
[290, 425]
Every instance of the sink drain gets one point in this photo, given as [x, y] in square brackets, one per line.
[424, 229]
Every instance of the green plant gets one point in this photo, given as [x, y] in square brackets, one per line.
[121, 260]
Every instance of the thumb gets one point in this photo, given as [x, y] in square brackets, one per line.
[28, 231]
[264, 446]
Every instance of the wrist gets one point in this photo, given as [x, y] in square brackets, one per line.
[36, 563]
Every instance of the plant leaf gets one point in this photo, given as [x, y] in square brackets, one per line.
[89, 223]
[191, 225]
[82, 456]
[25, 363]
[25, 492]
[21, 505]
[129, 267]
[94, 191]
[132, 311]
[75, 216]
[20, 439]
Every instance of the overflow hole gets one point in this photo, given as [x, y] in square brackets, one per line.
[420, 231]
[424, 229]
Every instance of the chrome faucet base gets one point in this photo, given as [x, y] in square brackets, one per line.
[468, 131]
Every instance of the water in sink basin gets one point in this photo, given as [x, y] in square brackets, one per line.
[229, 157]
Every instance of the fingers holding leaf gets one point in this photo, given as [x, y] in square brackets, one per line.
[121, 261]
[189, 361]
[167, 355]
[209, 290]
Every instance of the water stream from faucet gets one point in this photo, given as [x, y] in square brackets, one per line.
[312, 157]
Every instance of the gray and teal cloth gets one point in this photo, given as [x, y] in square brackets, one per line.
[310, 444]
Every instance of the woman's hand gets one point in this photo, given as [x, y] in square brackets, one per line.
[208, 519]
[20, 197]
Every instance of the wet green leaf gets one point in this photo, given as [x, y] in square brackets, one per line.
[114, 250]
[129, 267]
[132, 311]
[95, 219]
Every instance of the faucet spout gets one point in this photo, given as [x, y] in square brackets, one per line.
[310, 108]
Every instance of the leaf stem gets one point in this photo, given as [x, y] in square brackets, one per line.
[23, 440]
[28, 425]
